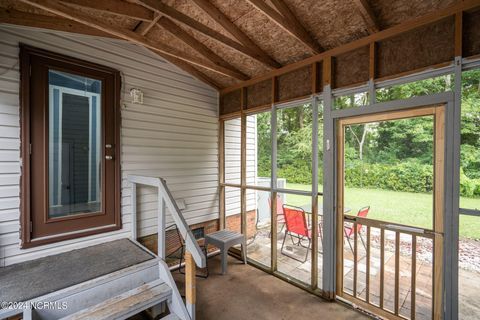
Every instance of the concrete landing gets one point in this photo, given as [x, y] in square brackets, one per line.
[246, 292]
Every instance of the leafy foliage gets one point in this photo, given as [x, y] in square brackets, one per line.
[392, 155]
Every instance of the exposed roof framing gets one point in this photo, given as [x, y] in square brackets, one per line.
[164, 9]
[120, 8]
[223, 42]
[144, 27]
[219, 17]
[23, 18]
[367, 15]
[287, 20]
[184, 36]
[66, 12]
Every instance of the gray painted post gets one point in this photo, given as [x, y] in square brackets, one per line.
[328, 277]
[451, 241]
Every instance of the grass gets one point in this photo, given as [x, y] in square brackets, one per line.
[414, 209]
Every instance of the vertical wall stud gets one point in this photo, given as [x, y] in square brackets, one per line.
[372, 73]
[315, 78]
[458, 34]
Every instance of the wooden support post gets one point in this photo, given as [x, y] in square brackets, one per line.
[161, 226]
[373, 61]
[413, 290]
[367, 276]
[327, 71]
[397, 273]
[458, 34]
[134, 211]
[190, 285]
[315, 78]
[439, 185]
[382, 265]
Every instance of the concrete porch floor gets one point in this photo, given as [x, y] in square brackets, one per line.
[246, 292]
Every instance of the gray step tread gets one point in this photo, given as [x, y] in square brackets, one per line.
[171, 317]
[127, 303]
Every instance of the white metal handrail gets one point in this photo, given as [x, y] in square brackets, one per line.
[166, 200]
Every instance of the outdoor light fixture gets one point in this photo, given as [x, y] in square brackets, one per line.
[137, 95]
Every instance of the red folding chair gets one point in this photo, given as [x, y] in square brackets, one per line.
[350, 231]
[280, 215]
[296, 228]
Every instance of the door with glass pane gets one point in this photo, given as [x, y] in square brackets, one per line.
[390, 212]
[73, 134]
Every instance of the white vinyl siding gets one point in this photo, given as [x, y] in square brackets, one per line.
[233, 166]
[173, 135]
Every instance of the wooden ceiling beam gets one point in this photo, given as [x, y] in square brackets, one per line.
[220, 18]
[430, 18]
[22, 18]
[196, 45]
[144, 27]
[119, 8]
[287, 21]
[368, 15]
[65, 11]
[175, 15]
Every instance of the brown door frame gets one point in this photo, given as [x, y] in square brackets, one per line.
[36, 227]
[438, 112]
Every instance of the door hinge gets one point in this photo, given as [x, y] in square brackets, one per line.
[31, 226]
[30, 70]
[30, 149]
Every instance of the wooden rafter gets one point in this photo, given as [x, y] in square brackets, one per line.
[287, 20]
[325, 57]
[120, 8]
[219, 17]
[184, 36]
[144, 27]
[65, 11]
[175, 15]
[367, 15]
[22, 18]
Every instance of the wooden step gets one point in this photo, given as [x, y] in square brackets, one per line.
[127, 304]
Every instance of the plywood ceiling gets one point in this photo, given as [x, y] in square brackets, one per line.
[223, 42]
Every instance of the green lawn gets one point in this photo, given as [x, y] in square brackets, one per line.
[408, 208]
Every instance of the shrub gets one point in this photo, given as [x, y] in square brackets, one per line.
[407, 176]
